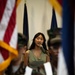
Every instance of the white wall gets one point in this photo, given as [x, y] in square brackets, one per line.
[20, 12]
[39, 17]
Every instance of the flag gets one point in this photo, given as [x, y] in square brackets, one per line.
[53, 24]
[25, 23]
[74, 40]
[66, 68]
[8, 32]
[57, 4]
[54, 21]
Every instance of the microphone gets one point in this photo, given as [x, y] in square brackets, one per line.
[43, 50]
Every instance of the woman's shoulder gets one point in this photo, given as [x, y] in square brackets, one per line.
[27, 52]
[44, 53]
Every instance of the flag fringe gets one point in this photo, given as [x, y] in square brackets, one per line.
[56, 6]
[18, 2]
[13, 54]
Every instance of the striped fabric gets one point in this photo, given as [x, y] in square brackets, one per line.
[8, 32]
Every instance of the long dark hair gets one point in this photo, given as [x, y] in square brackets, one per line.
[33, 43]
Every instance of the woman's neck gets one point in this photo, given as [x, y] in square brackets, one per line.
[37, 48]
[37, 51]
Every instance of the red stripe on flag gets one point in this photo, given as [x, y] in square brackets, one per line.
[4, 53]
[9, 32]
[2, 6]
[11, 26]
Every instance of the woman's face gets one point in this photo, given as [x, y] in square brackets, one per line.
[39, 40]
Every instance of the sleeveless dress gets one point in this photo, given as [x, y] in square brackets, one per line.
[35, 62]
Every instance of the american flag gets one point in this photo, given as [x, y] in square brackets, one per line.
[66, 54]
[8, 32]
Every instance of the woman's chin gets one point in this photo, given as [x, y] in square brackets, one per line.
[38, 45]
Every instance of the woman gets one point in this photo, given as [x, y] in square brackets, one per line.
[17, 66]
[36, 56]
